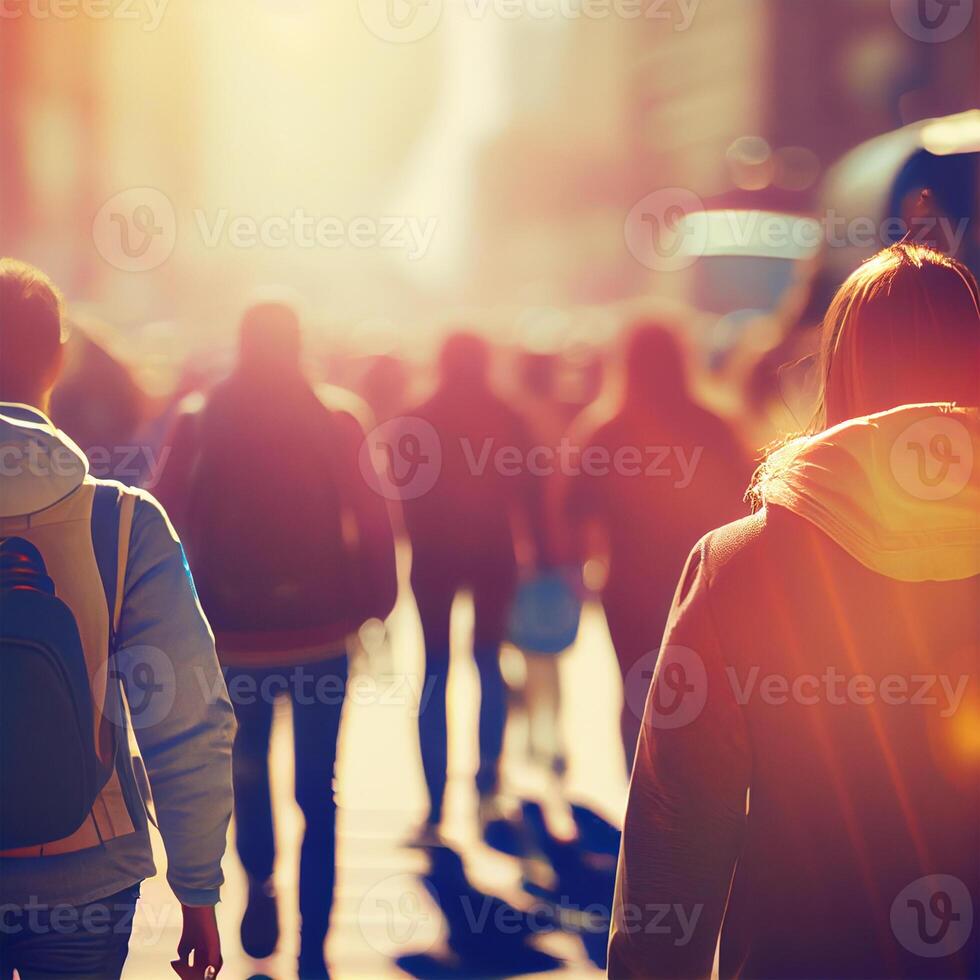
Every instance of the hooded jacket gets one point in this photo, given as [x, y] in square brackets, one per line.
[807, 781]
[184, 725]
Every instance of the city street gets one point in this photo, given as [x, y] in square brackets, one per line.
[382, 910]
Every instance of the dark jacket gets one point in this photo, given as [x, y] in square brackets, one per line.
[808, 776]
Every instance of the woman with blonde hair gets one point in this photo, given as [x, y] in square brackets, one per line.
[807, 782]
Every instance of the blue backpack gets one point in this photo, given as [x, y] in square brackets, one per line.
[50, 771]
[545, 616]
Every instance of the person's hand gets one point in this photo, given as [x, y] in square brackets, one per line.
[200, 937]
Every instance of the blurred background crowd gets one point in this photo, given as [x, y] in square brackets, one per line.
[547, 176]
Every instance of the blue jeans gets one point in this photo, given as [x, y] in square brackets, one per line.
[435, 586]
[317, 692]
[88, 941]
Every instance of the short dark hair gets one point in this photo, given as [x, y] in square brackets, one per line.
[270, 333]
[31, 326]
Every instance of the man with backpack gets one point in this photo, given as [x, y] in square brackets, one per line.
[100, 630]
[292, 551]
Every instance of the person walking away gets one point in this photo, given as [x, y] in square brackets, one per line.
[468, 531]
[292, 550]
[548, 417]
[100, 625]
[657, 470]
[808, 777]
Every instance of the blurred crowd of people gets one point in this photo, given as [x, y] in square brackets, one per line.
[542, 480]
[535, 482]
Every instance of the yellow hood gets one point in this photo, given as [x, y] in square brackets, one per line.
[900, 490]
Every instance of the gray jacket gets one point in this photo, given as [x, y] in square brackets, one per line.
[183, 721]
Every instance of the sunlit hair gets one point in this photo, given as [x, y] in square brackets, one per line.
[31, 329]
[903, 329]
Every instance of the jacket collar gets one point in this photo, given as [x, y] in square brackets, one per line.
[23, 413]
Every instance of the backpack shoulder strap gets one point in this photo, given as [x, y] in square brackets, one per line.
[112, 520]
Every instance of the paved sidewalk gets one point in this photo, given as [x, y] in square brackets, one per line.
[382, 911]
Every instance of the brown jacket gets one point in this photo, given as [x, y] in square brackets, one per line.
[808, 777]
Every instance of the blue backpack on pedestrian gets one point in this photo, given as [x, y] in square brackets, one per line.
[51, 773]
[545, 616]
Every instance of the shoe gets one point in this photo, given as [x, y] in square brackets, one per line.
[260, 923]
[496, 829]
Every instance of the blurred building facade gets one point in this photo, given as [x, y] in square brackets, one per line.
[745, 103]
[747, 106]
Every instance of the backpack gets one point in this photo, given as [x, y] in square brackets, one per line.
[51, 769]
[265, 531]
[545, 614]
